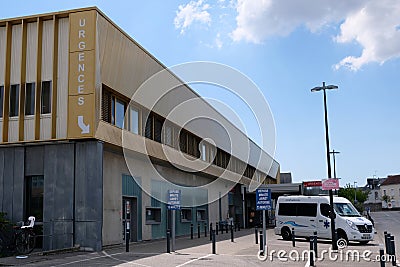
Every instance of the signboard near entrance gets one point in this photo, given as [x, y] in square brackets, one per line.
[174, 199]
[330, 184]
[312, 184]
[263, 199]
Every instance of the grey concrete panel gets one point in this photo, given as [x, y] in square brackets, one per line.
[19, 184]
[8, 182]
[58, 196]
[89, 194]
[2, 188]
[34, 160]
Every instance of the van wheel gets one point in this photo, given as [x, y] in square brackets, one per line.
[286, 234]
[342, 241]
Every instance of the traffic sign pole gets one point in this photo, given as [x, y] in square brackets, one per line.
[264, 232]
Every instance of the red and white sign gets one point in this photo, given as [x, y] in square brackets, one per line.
[312, 184]
[330, 184]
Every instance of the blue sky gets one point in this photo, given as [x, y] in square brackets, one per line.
[286, 48]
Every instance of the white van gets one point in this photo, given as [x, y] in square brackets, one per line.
[307, 214]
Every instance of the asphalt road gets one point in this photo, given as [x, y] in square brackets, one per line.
[387, 221]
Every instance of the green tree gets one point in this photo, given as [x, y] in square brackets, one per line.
[349, 193]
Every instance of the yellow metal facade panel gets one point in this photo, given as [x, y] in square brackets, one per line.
[47, 50]
[80, 125]
[82, 64]
[62, 84]
[31, 47]
[3, 42]
[124, 65]
[16, 45]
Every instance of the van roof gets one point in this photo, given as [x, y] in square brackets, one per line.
[313, 198]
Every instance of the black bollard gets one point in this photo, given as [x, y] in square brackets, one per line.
[168, 241]
[235, 225]
[311, 251]
[315, 243]
[213, 242]
[386, 242]
[393, 250]
[221, 226]
[256, 234]
[293, 238]
[261, 243]
[239, 226]
[191, 231]
[211, 228]
[381, 255]
[205, 229]
[226, 227]
[232, 233]
[216, 228]
[198, 230]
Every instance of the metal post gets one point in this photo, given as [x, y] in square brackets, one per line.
[127, 220]
[198, 230]
[311, 250]
[221, 226]
[261, 243]
[173, 230]
[226, 227]
[381, 255]
[393, 249]
[213, 242]
[216, 228]
[264, 231]
[127, 237]
[239, 226]
[293, 238]
[205, 229]
[256, 234]
[191, 231]
[168, 241]
[387, 243]
[232, 233]
[211, 228]
[315, 244]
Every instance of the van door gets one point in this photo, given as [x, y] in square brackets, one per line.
[306, 218]
[324, 221]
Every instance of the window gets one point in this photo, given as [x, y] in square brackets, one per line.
[1, 100]
[392, 192]
[34, 189]
[201, 215]
[376, 195]
[134, 120]
[203, 151]
[158, 123]
[148, 131]
[14, 100]
[325, 209]
[186, 215]
[46, 97]
[183, 136]
[298, 209]
[167, 135]
[384, 192]
[153, 215]
[106, 105]
[119, 113]
[287, 209]
[30, 99]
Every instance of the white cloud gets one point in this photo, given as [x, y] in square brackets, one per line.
[190, 13]
[374, 24]
[218, 41]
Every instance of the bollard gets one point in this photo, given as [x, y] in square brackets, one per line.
[256, 234]
[216, 228]
[221, 226]
[191, 231]
[213, 242]
[239, 226]
[235, 225]
[205, 229]
[293, 238]
[226, 227]
[198, 230]
[232, 233]
[386, 242]
[168, 241]
[315, 243]
[261, 244]
[381, 255]
[211, 228]
[311, 251]
[393, 250]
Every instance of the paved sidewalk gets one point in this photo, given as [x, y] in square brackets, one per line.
[197, 252]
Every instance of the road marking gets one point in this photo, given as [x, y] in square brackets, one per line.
[189, 262]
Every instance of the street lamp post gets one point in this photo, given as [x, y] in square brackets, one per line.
[355, 193]
[333, 152]
[332, 213]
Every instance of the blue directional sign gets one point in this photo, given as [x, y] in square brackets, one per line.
[174, 199]
[263, 199]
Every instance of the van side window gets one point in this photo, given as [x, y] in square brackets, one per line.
[307, 209]
[287, 209]
[325, 209]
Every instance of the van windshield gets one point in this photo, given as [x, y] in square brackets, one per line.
[345, 209]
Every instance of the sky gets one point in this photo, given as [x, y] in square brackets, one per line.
[286, 48]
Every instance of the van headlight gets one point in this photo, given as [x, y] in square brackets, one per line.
[352, 225]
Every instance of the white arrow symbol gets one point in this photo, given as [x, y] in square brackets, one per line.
[85, 128]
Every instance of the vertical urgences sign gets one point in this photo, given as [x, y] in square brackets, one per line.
[81, 92]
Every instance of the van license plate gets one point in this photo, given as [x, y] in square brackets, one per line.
[366, 236]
